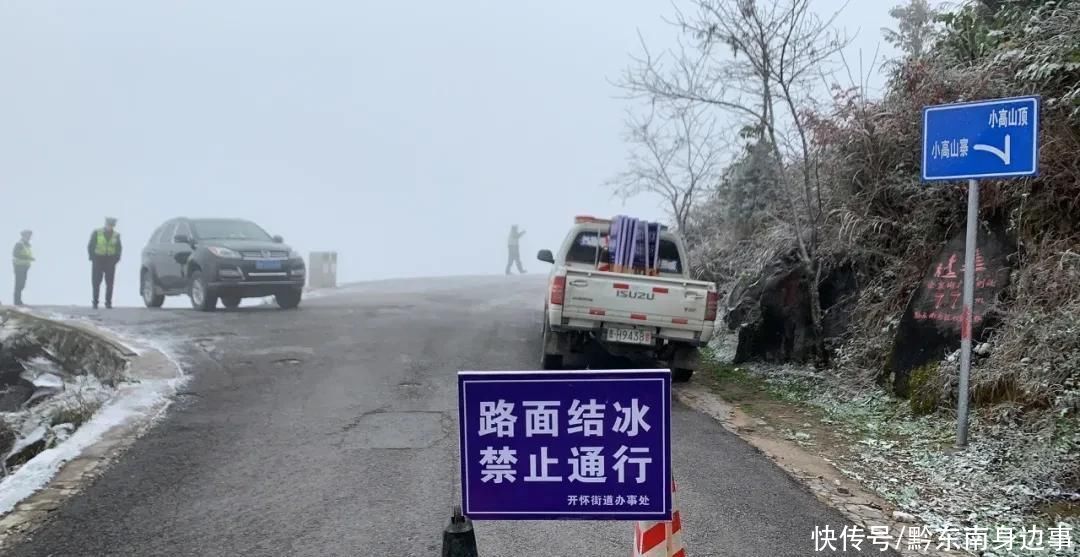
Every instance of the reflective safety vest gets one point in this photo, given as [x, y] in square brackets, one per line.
[25, 255]
[105, 245]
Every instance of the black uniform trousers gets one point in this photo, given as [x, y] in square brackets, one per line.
[103, 268]
[20, 282]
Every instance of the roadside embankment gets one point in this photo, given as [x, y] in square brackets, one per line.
[71, 396]
[866, 453]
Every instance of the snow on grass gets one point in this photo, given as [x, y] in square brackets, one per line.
[99, 408]
[6, 330]
[146, 399]
[1004, 478]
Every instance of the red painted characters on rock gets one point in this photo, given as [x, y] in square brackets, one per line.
[943, 292]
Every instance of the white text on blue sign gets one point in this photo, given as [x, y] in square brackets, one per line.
[960, 147]
[587, 463]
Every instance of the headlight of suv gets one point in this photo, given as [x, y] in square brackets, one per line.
[293, 254]
[223, 252]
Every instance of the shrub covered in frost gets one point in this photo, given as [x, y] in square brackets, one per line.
[882, 217]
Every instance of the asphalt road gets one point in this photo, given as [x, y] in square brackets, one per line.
[330, 430]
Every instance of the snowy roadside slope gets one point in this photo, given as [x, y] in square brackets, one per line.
[152, 375]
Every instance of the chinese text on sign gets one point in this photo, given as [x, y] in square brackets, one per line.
[582, 445]
[985, 139]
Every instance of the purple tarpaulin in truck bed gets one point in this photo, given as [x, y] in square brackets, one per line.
[633, 244]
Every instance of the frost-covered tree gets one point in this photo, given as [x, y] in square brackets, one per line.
[915, 27]
[760, 63]
[739, 203]
[749, 189]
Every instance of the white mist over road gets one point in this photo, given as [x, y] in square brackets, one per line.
[408, 137]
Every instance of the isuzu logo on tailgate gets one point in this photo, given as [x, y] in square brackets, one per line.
[634, 295]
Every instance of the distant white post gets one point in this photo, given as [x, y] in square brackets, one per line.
[322, 269]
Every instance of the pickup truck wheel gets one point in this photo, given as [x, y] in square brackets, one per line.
[202, 298]
[575, 361]
[681, 374]
[231, 302]
[548, 361]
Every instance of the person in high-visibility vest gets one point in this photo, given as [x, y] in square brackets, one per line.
[104, 250]
[22, 256]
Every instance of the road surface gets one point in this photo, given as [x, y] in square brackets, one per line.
[331, 430]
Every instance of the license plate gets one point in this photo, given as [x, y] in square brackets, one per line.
[629, 336]
[268, 265]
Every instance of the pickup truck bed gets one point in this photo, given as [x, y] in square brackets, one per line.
[673, 308]
[658, 314]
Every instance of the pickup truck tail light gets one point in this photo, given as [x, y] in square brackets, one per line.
[711, 303]
[558, 291]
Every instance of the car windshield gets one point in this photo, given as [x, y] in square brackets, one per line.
[591, 247]
[228, 230]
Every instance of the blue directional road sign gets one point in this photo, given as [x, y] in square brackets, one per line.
[984, 139]
[581, 445]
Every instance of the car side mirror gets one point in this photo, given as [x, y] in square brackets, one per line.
[182, 257]
[278, 239]
[182, 239]
[545, 256]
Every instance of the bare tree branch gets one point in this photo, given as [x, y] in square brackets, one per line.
[676, 154]
[755, 61]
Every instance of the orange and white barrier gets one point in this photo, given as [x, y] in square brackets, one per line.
[660, 539]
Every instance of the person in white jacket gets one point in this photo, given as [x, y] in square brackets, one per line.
[514, 250]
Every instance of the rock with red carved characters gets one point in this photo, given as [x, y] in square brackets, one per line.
[932, 324]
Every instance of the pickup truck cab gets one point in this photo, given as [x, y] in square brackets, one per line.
[664, 317]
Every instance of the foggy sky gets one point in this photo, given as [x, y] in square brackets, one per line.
[407, 136]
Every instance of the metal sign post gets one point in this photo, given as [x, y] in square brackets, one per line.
[965, 319]
[984, 139]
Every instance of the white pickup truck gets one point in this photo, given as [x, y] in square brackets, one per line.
[666, 317]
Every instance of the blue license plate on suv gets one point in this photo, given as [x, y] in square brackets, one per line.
[268, 265]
